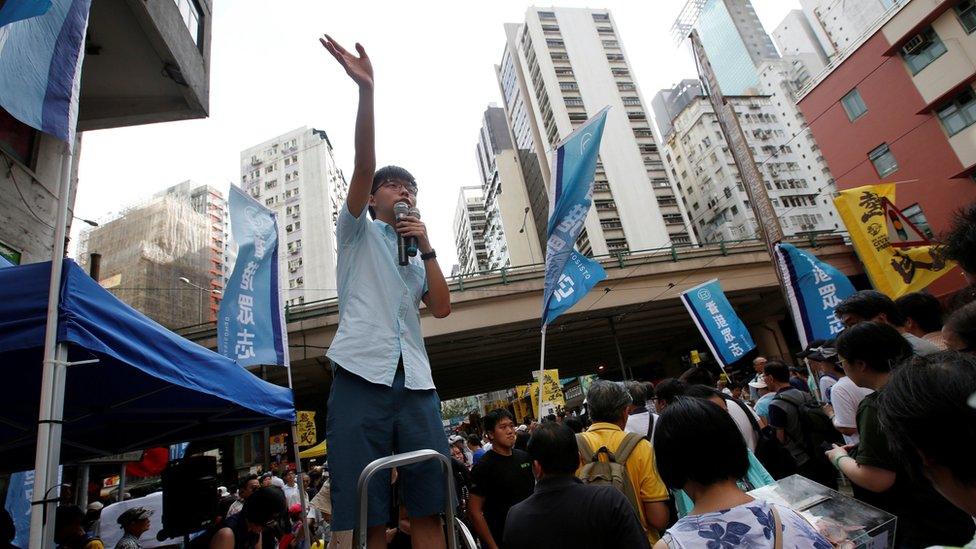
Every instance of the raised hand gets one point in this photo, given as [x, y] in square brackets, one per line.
[358, 68]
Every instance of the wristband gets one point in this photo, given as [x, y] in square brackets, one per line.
[837, 461]
[427, 256]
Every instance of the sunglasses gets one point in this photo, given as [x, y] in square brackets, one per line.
[397, 185]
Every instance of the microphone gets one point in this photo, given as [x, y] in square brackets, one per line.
[401, 210]
[412, 244]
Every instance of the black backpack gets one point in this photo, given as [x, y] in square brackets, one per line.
[819, 433]
[775, 457]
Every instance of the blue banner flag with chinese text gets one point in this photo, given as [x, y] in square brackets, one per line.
[41, 53]
[814, 289]
[570, 274]
[725, 334]
[250, 323]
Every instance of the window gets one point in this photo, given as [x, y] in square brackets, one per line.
[190, 13]
[601, 16]
[958, 114]
[853, 105]
[884, 162]
[17, 139]
[547, 15]
[922, 49]
[966, 12]
[915, 214]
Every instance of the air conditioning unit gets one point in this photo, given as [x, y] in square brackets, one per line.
[915, 44]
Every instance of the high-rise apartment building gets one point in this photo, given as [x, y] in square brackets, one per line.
[843, 24]
[795, 37]
[710, 183]
[166, 257]
[561, 67]
[668, 103]
[510, 235]
[733, 38]
[469, 231]
[296, 175]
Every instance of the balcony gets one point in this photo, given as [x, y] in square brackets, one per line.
[142, 65]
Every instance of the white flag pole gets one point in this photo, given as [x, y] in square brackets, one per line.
[542, 371]
[47, 454]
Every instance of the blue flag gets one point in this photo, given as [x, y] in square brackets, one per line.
[814, 289]
[726, 335]
[41, 52]
[250, 321]
[569, 274]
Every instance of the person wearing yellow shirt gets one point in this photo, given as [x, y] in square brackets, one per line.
[609, 404]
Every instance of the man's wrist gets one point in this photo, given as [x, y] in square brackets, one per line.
[838, 459]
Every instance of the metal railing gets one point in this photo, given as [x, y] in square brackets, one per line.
[509, 275]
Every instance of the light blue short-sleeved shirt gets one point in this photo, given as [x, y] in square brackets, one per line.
[379, 305]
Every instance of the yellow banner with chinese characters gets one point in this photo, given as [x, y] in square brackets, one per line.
[893, 271]
[306, 428]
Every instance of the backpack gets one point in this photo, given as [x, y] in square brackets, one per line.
[816, 426]
[612, 472]
[775, 458]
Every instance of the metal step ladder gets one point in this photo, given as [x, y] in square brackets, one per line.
[397, 460]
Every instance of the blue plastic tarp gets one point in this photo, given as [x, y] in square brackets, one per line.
[150, 387]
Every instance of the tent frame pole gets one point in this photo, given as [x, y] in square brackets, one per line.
[47, 454]
[298, 460]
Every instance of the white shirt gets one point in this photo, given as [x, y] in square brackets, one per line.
[826, 385]
[292, 496]
[742, 422]
[845, 397]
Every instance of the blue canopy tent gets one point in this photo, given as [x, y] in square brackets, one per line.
[149, 386]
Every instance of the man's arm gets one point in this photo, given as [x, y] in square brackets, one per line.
[479, 523]
[657, 514]
[361, 71]
[438, 296]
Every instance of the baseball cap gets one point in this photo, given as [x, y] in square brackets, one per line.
[95, 506]
[133, 515]
[811, 348]
[757, 384]
[455, 439]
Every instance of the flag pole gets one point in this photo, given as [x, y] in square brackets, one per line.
[47, 454]
[542, 369]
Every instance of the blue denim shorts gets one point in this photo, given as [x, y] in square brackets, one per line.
[367, 421]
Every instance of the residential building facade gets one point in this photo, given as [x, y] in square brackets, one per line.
[570, 63]
[711, 187]
[899, 108]
[469, 232]
[509, 230]
[295, 174]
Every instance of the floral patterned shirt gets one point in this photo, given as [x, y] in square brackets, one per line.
[747, 525]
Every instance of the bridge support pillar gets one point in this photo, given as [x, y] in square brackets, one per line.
[769, 339]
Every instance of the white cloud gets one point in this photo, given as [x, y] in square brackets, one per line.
[434, 64]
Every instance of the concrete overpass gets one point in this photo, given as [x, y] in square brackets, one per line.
[491, 340]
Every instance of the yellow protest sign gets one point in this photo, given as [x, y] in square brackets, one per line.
[306, 428]
[893, 271]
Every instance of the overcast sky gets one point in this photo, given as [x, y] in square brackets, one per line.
[434, 64]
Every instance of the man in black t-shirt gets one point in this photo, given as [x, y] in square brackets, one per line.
[502, 478]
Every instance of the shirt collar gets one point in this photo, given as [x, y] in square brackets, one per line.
[601, 426]
[638, 410]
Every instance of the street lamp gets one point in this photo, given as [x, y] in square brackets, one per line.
[203, 290]
[525, 216]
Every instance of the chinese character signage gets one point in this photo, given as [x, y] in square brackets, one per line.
[306, 428]
[569, 274]
[814, 288]
[893, 271]
[250, 323]
[726, 335]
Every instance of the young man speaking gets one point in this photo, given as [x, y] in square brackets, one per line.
[383, 399]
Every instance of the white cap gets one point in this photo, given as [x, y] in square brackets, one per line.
[757, 384]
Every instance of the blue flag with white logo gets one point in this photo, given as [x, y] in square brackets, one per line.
[725, 334]
[41, 52]
[814, 289]
[569, 274]
[250, 323]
